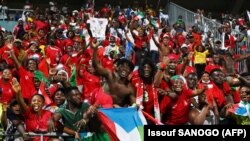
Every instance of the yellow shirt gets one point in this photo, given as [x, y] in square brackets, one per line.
[200, 57]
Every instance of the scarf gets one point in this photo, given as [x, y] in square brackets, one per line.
[141, 94]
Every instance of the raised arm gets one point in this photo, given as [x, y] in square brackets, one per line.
[96, 63]
[4, 120]
[198, 91]
[242, 57]
[13, 56]
[196, 117]
[128, 39]
[17, 89]
[156, 42]
[88, 29]
[161, 70]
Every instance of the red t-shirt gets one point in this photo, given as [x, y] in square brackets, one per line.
[175, 112]
[41, 25]
[218, 95]
[197, 39]
[59, 43]
[53, 53]
[72, 60]
[5, 54]
[138, 41]
[66, 43]
[35, 123]
[108, 63]
[90, 82]
[26, 82]
[7, 93]
[99, 97]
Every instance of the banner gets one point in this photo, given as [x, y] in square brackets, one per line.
[98, 27]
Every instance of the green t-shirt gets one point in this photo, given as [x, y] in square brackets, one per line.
[70, 118]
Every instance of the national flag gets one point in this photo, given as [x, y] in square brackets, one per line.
[240, 113]
[129, 49]
[44, 83]
[43, 92]
[155, 23]
[88, 136]
[72, 79]
[140, 15]
[40, 76]
[43, 67]
[123, 124]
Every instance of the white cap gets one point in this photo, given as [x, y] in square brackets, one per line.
[183, 45]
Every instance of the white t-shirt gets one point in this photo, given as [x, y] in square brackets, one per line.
[153, 46]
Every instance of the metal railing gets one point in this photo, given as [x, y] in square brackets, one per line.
[41, 135]
[8, 14]
[211, 25]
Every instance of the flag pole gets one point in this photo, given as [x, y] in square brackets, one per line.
[148, 116]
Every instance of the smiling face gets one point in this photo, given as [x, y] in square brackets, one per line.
[124, 70]
[7, 75]
[59, 98]
[37, 103]
[172, 67]
[32, 65]
[245, 94]
[205, 77]
[147, 70]
[178, 85]
[62, 75]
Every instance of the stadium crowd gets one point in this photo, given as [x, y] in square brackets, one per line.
[56, 70]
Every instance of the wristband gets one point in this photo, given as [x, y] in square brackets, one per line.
[161, 66]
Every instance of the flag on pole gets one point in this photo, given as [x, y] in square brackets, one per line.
[43, 92]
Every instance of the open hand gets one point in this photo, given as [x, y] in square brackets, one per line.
[16, 86]
[79, 124]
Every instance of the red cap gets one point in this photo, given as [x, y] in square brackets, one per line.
[210, 68]
[189, 70]
[173, 56]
